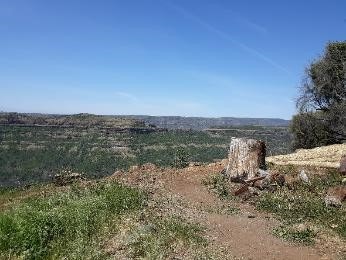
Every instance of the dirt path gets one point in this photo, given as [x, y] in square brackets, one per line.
[248, 238]
[246, 235]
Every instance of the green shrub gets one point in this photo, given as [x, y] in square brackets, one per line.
[181, 159]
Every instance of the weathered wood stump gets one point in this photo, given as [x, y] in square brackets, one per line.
[246, 157]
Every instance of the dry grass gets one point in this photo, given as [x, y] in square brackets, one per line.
[326, 156]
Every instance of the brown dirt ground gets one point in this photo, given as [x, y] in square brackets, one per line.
[245, 235]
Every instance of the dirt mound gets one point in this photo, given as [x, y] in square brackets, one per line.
[324, 156]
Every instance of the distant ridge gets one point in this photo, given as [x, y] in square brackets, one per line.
[168, 122]
[201, 123]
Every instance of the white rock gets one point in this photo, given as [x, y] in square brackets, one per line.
[303, 177]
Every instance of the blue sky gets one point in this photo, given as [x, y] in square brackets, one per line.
[161, 57]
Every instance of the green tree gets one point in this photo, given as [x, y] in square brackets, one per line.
[322, 100]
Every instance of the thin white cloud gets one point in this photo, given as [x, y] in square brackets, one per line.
[228, 37]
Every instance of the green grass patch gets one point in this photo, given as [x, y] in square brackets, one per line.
[163, 237]
[66, 224]
[306, 204]
[218, 184]
[305, 236]
[232, 210]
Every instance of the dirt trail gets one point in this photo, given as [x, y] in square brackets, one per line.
[246, 235]
[248, 238]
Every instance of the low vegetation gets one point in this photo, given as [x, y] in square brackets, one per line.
[162, 238]
[66, 223]
[305, 204]
[300, 208]
[304, 236]
[103, 220]
[218, 185]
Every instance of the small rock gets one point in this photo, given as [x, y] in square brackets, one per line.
[134, 168]
[263, 173]
[193, 164]
[343, 180]
[290, 181]
[335, 196]
[258, 184]
[303, 177]
[280, 179]
[254, 191]
[265, 183]
[300, 227]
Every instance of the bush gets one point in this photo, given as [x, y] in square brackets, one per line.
[181, 159]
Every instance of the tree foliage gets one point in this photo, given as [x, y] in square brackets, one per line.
[309, 131]
[322, 100]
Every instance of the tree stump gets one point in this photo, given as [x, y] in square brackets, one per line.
[246, 157]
